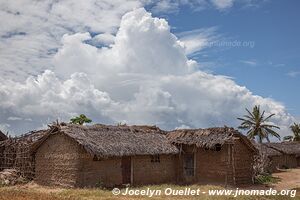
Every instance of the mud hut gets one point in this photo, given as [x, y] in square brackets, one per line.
[87, 156]
[104, 155]
[267, 159]
[214, 155]
[283, 155]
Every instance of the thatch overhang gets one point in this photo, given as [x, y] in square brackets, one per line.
[285, 147]
[208, 138]
[265, 150]
[115, 141]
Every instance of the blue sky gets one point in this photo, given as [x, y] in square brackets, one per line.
[271, 68]
[170, 63]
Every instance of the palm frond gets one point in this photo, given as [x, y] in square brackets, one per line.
[269, 126]
[273, 133]
[261, 118]
[267, 118]
[250, 113]
[246, 121]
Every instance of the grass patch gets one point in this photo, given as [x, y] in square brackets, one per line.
[20, 194]
[47, 193]
[266, 179]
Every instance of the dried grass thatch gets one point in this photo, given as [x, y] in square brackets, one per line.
[2, 136]
[207, 138]
[285, 147]
[278, 149]
[265, 150]
[115, 141]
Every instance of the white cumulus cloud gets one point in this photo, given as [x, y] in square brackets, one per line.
[31, 31]
[142, 77]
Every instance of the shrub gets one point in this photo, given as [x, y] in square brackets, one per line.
[266, 179]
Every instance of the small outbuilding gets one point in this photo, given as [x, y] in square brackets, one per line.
[282, 155]
[214, 155]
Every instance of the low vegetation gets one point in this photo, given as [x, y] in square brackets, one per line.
[266, 179]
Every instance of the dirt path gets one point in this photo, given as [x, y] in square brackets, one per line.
[289, 179]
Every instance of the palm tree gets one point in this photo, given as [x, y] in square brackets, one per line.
[296, 131]
[81, 119]
[256, 124]
[288, 138]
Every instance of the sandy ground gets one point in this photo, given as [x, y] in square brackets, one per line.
[289, 179]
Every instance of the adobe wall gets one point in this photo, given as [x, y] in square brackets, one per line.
[276, 162]
[57, 162]
[210, 167]
[233, 164]
[289, 161]
[103, 172]
[108, 172]
[146, 172]
[214, 166]
[243, 163]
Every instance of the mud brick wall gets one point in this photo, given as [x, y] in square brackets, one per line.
[57, 162]
[147, 172]
[243, 163]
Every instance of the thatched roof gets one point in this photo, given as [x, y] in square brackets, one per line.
[207, 138]
[264, 149]
[286, 147]
[2, 136]
[115, 141]
[277, 149]
[27, 138]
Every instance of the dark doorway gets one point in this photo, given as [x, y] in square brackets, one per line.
[126, 170]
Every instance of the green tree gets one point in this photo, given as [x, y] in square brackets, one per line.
[296, 131]
[257, 125]
[81, 119]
